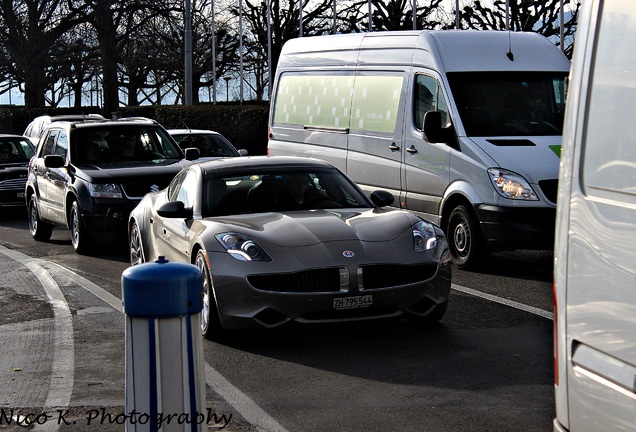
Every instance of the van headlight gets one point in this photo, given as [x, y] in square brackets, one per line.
[242, 247]
[104, 190]
[511, 185]
[424, 237]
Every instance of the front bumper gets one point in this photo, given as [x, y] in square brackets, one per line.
[103, 217]
[243, 305]
[517, 227]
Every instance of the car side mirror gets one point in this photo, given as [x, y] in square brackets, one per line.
[192, 153]
[174, 210]
[432, 127]
[54, 161]
[382, 198]
[242, 152]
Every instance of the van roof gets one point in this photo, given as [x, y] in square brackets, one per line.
[444, 50]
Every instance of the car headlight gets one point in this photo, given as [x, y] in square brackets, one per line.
[511, 185]
[242, 247]
[104, 190]
[424, 237]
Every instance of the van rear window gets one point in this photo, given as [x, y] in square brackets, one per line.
[366, 102]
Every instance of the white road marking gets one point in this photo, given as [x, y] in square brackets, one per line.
[503, 301]
[63, 367]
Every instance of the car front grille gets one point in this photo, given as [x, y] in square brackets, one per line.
[389, 275]
[139, 189]
[549, 189]
[333, 279]
[13, 184]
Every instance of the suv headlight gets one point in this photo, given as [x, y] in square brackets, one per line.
[242, 247]
[424, 237]
[511, 185]
[105, 190]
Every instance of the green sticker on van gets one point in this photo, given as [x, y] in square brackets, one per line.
[556, 149]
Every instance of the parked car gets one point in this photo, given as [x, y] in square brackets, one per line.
[211, 144]
[36, 128]
[280, 239]
[15, 153]
[88, 176]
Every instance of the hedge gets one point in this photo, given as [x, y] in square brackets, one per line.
[245, 125]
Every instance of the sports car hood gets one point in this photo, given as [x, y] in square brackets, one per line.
[304, 228]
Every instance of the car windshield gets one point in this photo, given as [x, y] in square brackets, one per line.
[280, 191]
[510, 103]
[15, 150]
[116, 144]
[209, 145]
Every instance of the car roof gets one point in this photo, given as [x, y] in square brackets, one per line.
[22, 137]
[192, 131]
[254, 163]
[108, 122]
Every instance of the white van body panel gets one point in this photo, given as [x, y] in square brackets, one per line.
[595, 248]
[353, 100]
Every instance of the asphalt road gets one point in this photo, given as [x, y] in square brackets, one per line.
[486, 366]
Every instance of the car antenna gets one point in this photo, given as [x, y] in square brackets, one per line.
[509, 54]
[186, 126]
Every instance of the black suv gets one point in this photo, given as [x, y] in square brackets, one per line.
[89, 175]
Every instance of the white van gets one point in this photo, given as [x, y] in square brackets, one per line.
[595, 252]
[483, 162]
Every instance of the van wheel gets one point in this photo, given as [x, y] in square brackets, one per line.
[210, 321]
[80, 238]
[464, 239]
[40, 230]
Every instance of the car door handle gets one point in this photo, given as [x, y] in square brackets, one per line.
[393, 147]
[411, 149]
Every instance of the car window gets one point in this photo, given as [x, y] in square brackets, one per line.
[15, 150]
[188, 189]
[125, 143]
[175, 186]
[49, 144]
[280, 191]
[61, 147]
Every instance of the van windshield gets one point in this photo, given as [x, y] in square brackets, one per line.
[510, 103]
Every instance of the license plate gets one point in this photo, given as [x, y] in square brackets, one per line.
[353, 302]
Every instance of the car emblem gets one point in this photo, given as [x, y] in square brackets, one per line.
[154, 188]
[348, 254]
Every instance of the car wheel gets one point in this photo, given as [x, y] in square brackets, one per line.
[135, 245]
[80, 238]
[464, 239]
[210, 321]
[39, 229]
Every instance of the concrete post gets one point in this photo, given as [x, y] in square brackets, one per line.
[165, 388]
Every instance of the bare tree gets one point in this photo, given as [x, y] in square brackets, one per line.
[540, 16]
[29, 29]
[392, 15]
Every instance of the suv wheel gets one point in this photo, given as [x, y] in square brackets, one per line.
[80, 238]
[40, 230]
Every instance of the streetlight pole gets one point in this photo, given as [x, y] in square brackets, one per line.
[227, 88]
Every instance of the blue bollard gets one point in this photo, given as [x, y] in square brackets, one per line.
[165, 388]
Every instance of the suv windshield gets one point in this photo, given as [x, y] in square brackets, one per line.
[510, 103]
[123, 143]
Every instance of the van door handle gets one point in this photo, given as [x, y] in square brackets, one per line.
[393, 147]
[411, 149]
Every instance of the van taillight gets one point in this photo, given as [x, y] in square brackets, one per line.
[555, 335]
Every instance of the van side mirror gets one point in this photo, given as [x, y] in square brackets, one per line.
[432, 127]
